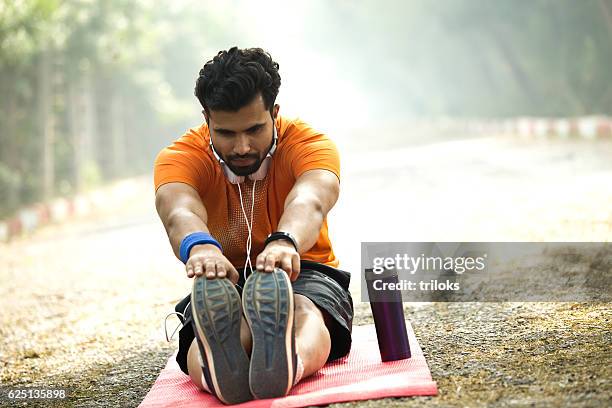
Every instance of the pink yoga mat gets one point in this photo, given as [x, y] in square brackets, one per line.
[359, 376]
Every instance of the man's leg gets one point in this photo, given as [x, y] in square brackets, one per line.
[193, 359]
[311, 334]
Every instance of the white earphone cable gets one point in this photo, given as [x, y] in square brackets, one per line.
[249, 227]
[179, 326]
[250, 240]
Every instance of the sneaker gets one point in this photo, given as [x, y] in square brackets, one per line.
[267, 300]
[217, 314]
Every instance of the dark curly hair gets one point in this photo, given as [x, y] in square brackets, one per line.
[233, 78]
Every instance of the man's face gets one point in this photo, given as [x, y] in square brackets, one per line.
[243, 138]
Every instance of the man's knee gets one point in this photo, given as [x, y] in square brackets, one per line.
[306, 309]
[312, 334]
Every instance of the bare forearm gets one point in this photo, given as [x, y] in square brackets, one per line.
[311, 198]
[202, 259]
[181, 211]
[307, 205]
[303, 220]
[181, 223]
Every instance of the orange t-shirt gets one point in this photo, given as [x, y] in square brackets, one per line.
[299, 149]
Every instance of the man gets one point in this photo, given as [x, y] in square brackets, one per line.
[249, 180]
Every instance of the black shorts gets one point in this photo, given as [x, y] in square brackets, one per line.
[325, 286]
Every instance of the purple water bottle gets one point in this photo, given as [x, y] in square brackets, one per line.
[388, 312]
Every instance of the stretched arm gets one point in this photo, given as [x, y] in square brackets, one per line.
[314, 194]
[182, 212]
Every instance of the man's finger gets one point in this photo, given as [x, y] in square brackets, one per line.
[210, 269]
[270, 263]
[260, 261]
[221, 270]
[189, 270]
[197, 269]
[295, 263]
[286, 266]
[232, 274]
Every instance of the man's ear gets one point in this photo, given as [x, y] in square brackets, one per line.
[275, 110]
[205, 115]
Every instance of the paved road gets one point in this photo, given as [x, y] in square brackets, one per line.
[82, 303]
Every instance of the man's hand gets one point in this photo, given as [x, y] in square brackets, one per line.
[209, 261]
[282, 254]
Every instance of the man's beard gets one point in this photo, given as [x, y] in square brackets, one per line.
[244, 170]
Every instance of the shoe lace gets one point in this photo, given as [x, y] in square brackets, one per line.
[179, 326]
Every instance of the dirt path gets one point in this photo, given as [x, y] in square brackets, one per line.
[82, 303]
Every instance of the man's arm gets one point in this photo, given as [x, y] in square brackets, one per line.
[182, 212]
[314, 194]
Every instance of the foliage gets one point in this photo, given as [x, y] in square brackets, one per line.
[90, 90]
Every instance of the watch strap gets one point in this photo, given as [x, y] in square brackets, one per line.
[281, 235]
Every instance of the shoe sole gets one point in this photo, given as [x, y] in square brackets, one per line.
[215, 305]
[268, 304]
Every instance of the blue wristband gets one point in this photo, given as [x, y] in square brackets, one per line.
[193, 239]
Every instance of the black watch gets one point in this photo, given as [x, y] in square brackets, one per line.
[281, 235]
